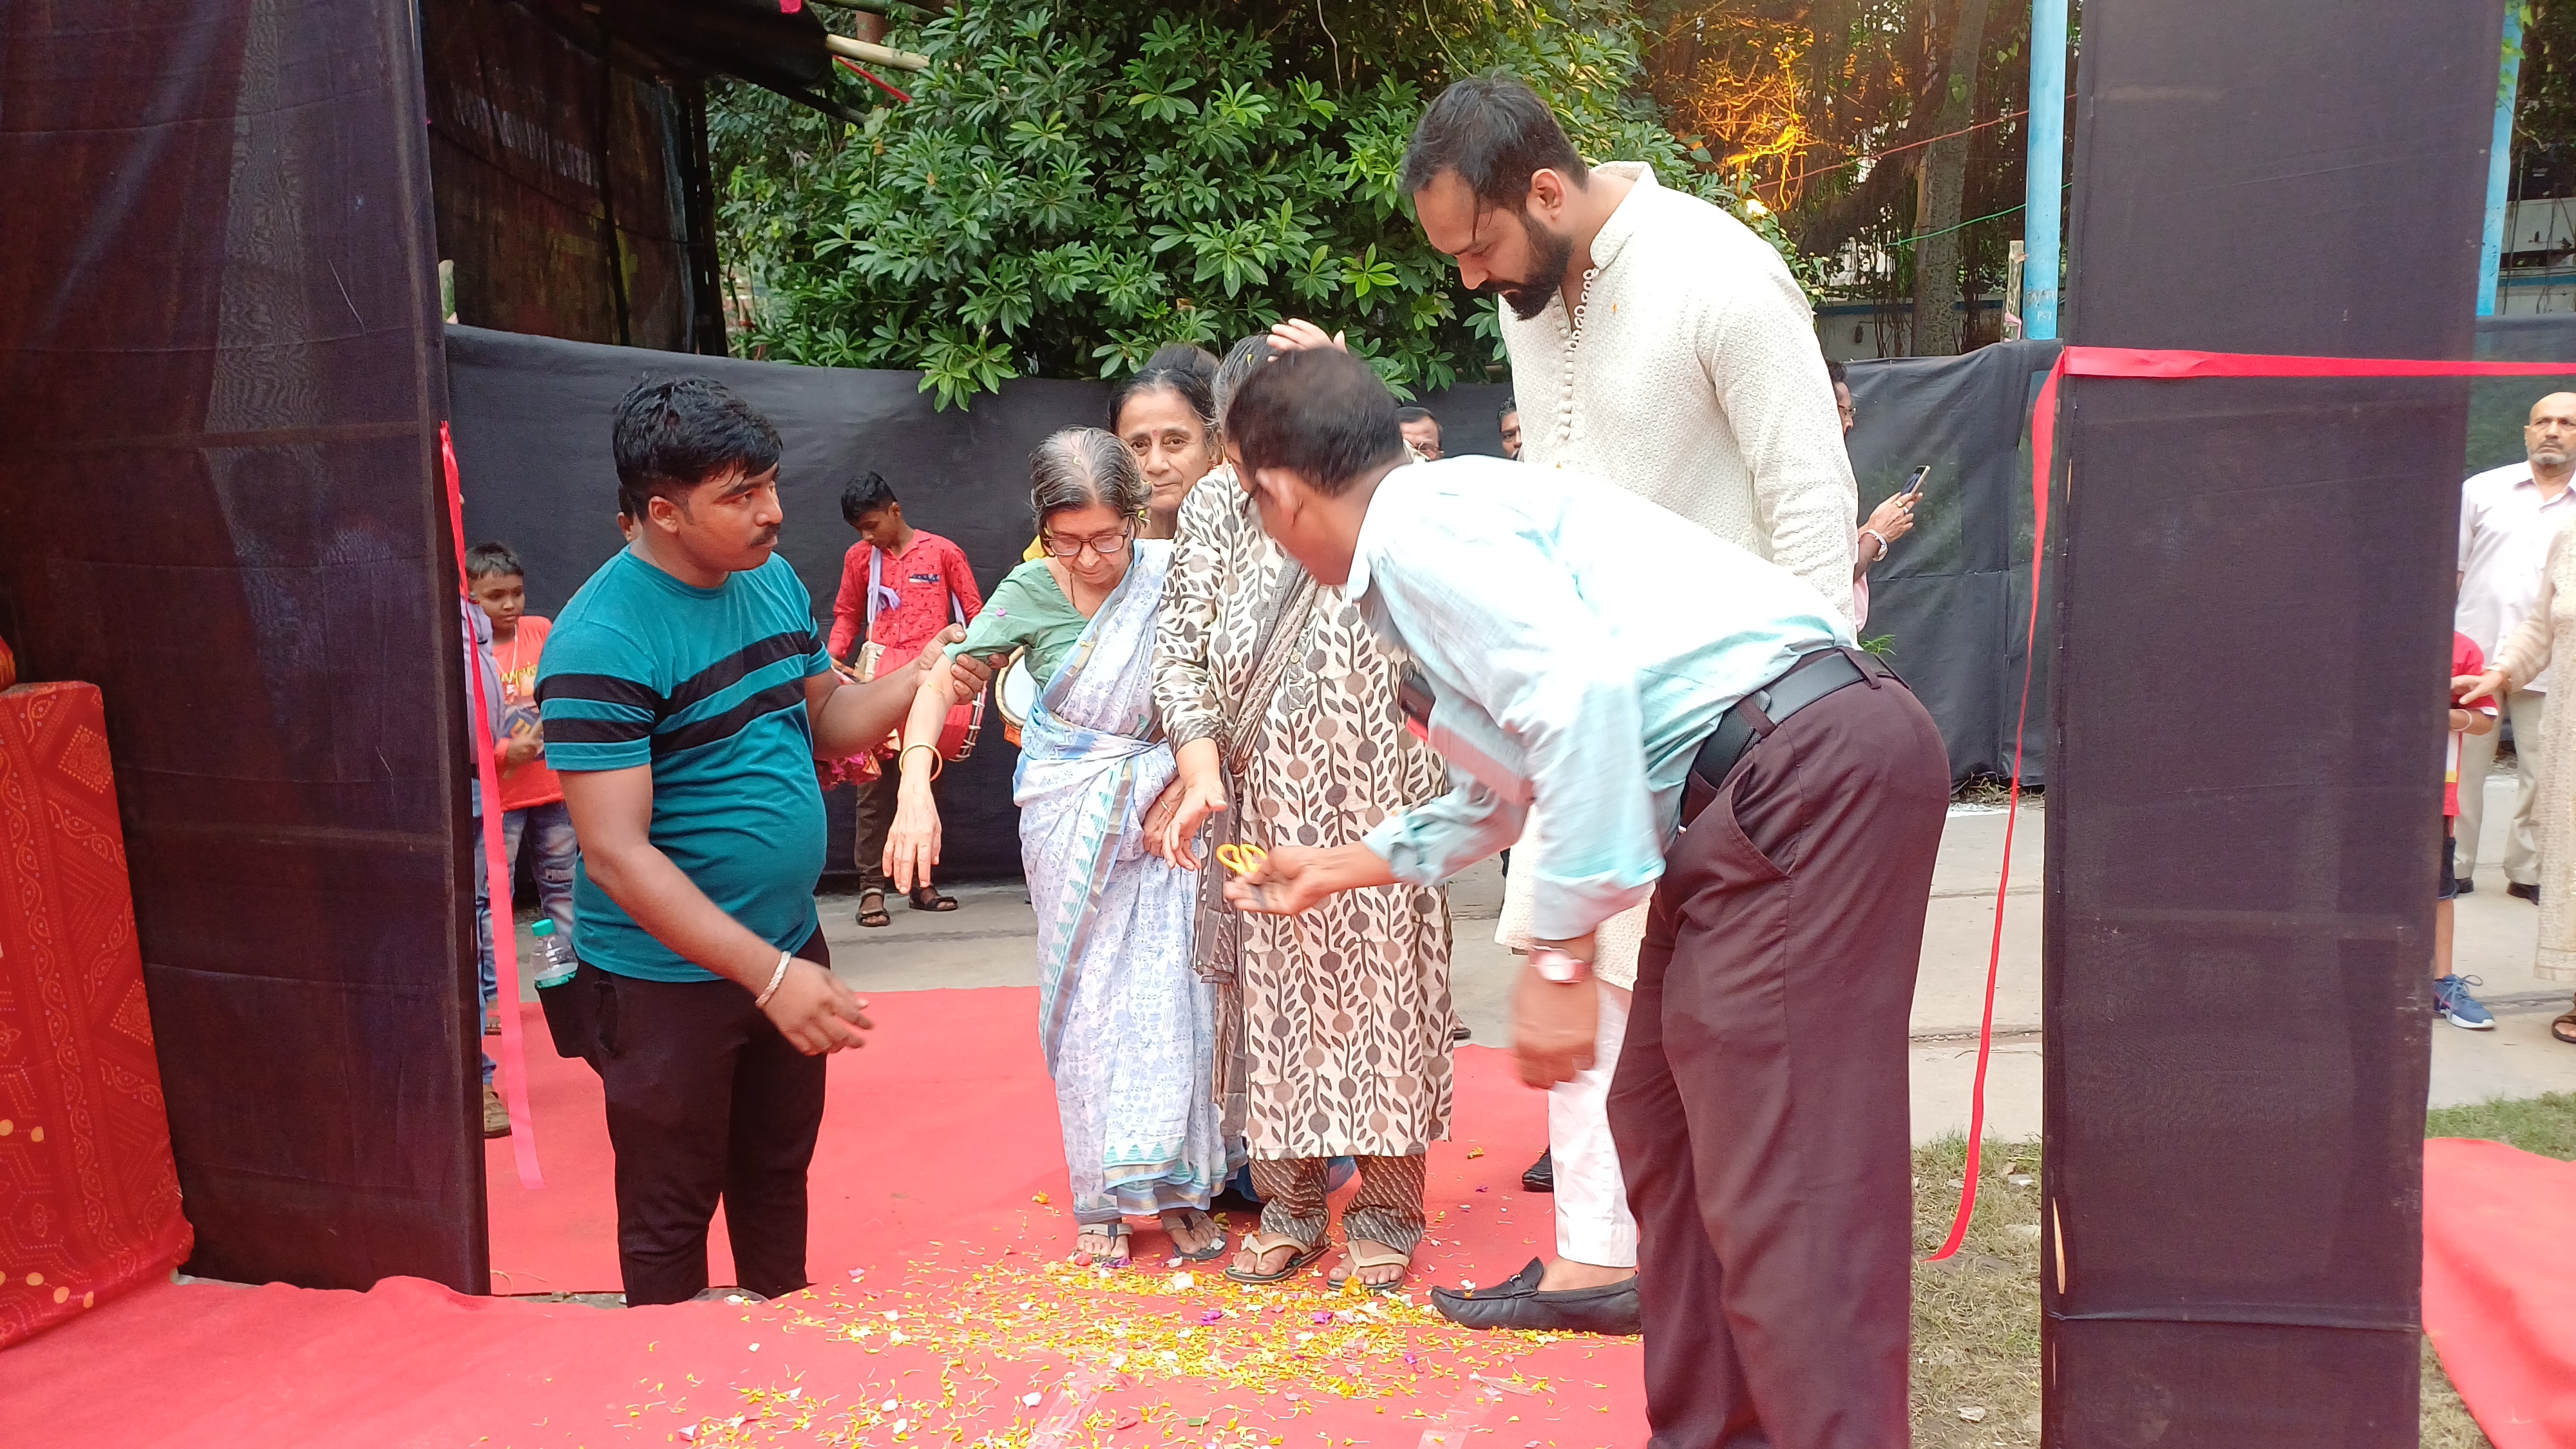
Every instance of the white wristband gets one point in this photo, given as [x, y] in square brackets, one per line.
[775, 977]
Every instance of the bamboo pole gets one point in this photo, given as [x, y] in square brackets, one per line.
[861, 50]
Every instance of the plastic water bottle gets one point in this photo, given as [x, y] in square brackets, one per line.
[556, 964]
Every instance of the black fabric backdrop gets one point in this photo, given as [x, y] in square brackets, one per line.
[2255, 594]
[219, 380]
[1952, 599]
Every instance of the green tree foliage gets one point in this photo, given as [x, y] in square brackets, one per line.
[1077, 182]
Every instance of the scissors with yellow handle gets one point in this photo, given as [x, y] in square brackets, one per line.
[1241, 859]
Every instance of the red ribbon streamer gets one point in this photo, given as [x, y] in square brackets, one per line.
[496, 867]
[2155, 364]
[865, 74]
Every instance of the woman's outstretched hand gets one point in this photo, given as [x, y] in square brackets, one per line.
[912, 842]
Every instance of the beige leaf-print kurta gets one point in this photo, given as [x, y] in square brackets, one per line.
[2522, 655]
[1346, 1008]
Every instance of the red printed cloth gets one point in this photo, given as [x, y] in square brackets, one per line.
[89, 1195]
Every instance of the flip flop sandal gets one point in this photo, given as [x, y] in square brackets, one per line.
[1372, 1255]
[1262, 1245]
[1116, 1257]
[928, 898]
[873, 915]
[1208, 1254]
[2563, 1027]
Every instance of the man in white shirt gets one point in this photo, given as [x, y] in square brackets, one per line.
[1657, 343]
[1673, 720]
[2507, 517]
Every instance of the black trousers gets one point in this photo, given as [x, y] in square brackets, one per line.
[1760, 1102]
[706, 1101]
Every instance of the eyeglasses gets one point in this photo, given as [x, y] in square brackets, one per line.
[1107, 545]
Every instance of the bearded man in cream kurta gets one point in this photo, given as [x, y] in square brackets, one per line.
[1658, 343]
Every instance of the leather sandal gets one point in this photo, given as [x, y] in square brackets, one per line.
[1192, 1218]
[1517, 1302]
[1262, 1245]
[1363, 1254]
[1116, 1257]
[928, 898]
[2563, 1026]
[873, 915]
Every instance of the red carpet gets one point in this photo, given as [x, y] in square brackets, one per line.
[944, 1311]
[2499, 1265]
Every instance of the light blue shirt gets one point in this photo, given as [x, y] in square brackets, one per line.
[1583, 643]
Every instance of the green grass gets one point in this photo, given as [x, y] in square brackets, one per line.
[1976, 1316]
[2545, 1125]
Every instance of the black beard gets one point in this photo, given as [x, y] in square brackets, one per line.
[1553, 252]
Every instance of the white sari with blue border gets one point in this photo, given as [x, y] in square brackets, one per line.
[1128, 1027]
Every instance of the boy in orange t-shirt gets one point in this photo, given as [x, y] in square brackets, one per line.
[532, 800]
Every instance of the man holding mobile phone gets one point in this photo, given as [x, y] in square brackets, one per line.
[1891, 520]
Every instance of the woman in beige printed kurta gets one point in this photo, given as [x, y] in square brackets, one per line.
[1346, 1008]
[2520, 657]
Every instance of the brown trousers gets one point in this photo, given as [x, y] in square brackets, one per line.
[1760, 1103]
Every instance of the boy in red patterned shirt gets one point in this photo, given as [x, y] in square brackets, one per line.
[900, 586]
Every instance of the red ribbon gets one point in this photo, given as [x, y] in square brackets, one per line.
[865, 74]
[496, 866]
[2157, 364]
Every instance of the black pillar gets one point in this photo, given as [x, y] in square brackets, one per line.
[220, 382]
[2244, 813]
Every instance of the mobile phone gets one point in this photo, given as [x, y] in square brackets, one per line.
[1414, 696]
[1914, 485]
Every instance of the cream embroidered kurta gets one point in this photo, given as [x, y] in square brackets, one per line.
[1346, 1008]
[1696, 383]
[2523, 654]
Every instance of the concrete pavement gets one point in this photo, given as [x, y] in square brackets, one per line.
[991, 941]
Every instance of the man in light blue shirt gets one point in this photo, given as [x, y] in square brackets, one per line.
[1694, 725]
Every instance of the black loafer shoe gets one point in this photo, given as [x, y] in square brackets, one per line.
[2520, 891]
[2464, 887]
[1541, 1176]
[1518, 1303]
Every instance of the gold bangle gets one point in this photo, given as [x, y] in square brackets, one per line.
[936, 763]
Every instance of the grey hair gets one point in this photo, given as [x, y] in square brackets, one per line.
[1079, 467]
[1239, 362]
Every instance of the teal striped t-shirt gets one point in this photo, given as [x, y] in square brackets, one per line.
[707, 686]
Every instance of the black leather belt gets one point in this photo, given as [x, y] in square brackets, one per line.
[1756, 715]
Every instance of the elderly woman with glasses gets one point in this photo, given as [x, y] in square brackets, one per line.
[1128, 1027]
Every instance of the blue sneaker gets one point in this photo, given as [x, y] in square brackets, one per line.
[2452, 999]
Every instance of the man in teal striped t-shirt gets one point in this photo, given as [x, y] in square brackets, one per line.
[685, 696]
